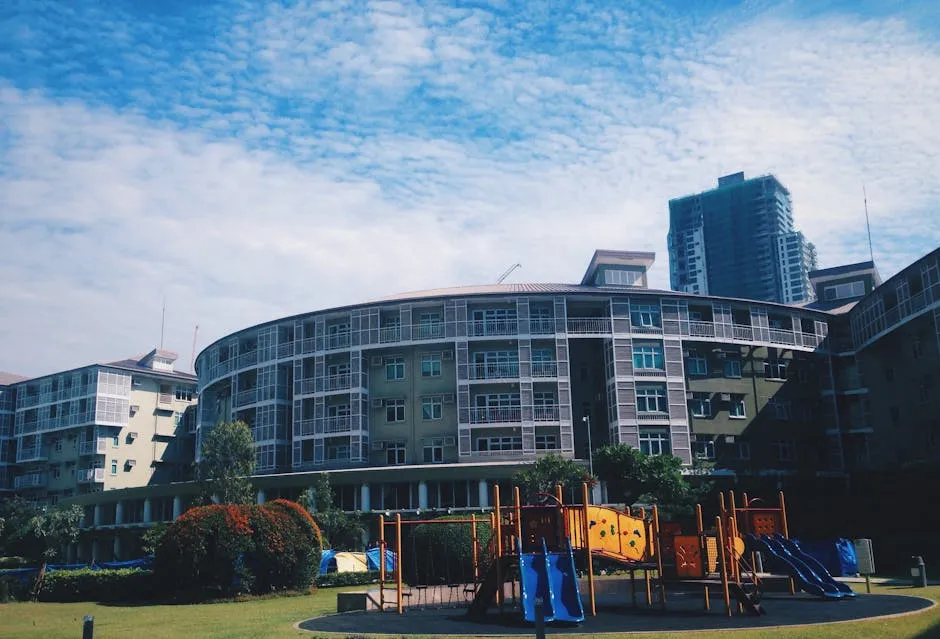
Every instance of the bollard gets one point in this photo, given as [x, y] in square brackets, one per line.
[918, 572]
[539, 618]
[88, 627]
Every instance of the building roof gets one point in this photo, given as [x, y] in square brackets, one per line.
[604, 257]
[6, 379]
[135, 365]
[835, 272]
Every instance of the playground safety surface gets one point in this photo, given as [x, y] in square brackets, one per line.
[683, 612]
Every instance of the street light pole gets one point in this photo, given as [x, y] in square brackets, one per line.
[587, 420]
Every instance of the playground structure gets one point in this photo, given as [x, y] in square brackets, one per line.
[536, 551]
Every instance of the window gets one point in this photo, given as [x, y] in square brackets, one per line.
[114, 467]
[843, 291]
[775, 369]
[697, 366]
[621, 278]
[499, 443]
[704, 447]
[395, 453]
[432, 408]
[779, 408]
[184, 394]
[648, 356]
[434, 451]
[651, 399]
[115, 441]
[394, 368]
[917, 350]
[744, 450]
[177, 418]
[56, 472]
[785, 450]
[430, 326]
[644, 315]
[431, 365]
[802, 374]
[546, 442]
[736, 409]
[394, 410]
[654, 442]
[700, 405]
[58, 445]
[732, 368]
[335, 452]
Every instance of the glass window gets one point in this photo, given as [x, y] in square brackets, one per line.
[644, 315]
[651, 399]
[434, 451]
[114, 467]
[394, 410]
[697, 366]
[654, 442]
[736, 409]
[700, 405]
[432, 408]
[395, 453]
[646, 356]
[785, 450]
[732, 368]
[394, 368]
[704, 447]
[430, 365]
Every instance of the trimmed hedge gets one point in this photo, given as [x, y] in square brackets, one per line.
[220, 551]
[15, 588]
[345, 579]
[442, 553]
[126, 584]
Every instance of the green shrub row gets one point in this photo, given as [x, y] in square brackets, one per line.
[126, 584]
[12, 588]
[343, 579]
[7, 563]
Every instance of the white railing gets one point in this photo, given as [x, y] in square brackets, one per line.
[544, 369]
[651, 417]
[641, 329]
[649, 372]
[778, 336]
[509, 414]
[480, 328]
[701, 329]
[33, 453]
[432, 330]
[506, 370]
[93, 447]
[90, 475]
[249, 358]
[337, 382]
[588, 325]
[32, 480]
[388, 334]
[341, 424]
[249, 396]
[306, 386]
[285, 350]
[305, 427]
[742, 332]
[547, 413]
[337, 340]
[541, 326]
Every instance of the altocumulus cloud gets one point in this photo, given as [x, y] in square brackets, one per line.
[250, 160]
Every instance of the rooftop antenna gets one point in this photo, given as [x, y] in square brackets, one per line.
[507, 272]
[871, 251]
[162, 322]
[192, 358]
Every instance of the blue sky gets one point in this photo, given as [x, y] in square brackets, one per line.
[249, 160]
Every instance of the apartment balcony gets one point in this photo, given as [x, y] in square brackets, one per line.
[285, 350]
[33, 454]
[331, 384]
[389, 334]
[546, 413]
[589, 326]
[97, 446]
[165, 401]
[494, 371]
[90, 475]
[245, 397]
[246, 359]
[646, 329]
[544, 369]
[32, 480]
[336, 341]
[541, 326]
[649, 372]
[507, 415]
[741, 332]
[779, 336]
[701, 329]
[647, 417]
[432, 330]
[341, 424]
[492, 328]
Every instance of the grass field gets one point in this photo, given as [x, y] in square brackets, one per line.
[275, 617]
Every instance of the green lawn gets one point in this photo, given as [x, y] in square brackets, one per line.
[275, 617]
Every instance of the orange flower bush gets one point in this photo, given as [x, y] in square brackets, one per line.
[225, 550]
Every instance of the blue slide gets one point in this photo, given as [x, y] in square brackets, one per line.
[794, 549]
[534, 581]
[563, 578]
[802, 574]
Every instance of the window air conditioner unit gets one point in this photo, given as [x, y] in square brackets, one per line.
[130, 463]
[729, 439]
[450, 441]
[132, 435]
[378, 403]
[447, 355]
[726, 397]
[376, 361]
[690, 395]
[448, 398]
[378, 445]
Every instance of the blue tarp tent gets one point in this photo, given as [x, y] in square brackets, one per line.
[837, 556]
[373, 556]
[328, 561]
[145, 562]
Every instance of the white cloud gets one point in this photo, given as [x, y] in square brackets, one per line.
[320, 155]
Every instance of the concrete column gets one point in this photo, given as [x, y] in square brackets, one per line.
[97, 515]
[597, 494]
[177, 507]
[260, 496]
[365, 498]
[71, 552]
[484, 494]
[148, 512]
[119, 513]
[95, 549]
[117, 548]
[422, 494]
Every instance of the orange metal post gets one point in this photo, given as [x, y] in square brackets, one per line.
[517, 512]
[723, 564]
[649, 588]
[498, 531]
[587, 548]
[382, 563]
[702, 544]
[476, 550]
[398, 563]
[786, 532]
[659, 557]
[559, 493]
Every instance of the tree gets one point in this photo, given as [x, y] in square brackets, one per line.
[150, 540]
[543, 475]
[37, 533]
[634, 476]
[228, 459]
[341, 531]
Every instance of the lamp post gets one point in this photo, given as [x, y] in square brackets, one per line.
[587, 420]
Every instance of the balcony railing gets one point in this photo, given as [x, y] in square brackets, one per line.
[778, 336]
[649, 372]
[249, 396]
[544, 369]
[432, 330]
[34, 453]
[341, 424]
[546, 413]
[388, 334]
[285, 350]
[248, 358]
[588, 325]
[646, 329]
[541, 326]
[745, 333]
[90, 475]
[482, 328]
[701, 329]
[340, 382]
[652, 417]
[32, 480]
[337, 340]
[494, 371]
[332, 383]
[93, 447]
[509, 414]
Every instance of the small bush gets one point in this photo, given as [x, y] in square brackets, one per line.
[442, 552]
[16, 587]
[126, 584]
[344, 579]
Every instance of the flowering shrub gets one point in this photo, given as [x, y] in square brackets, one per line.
[225, 550]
